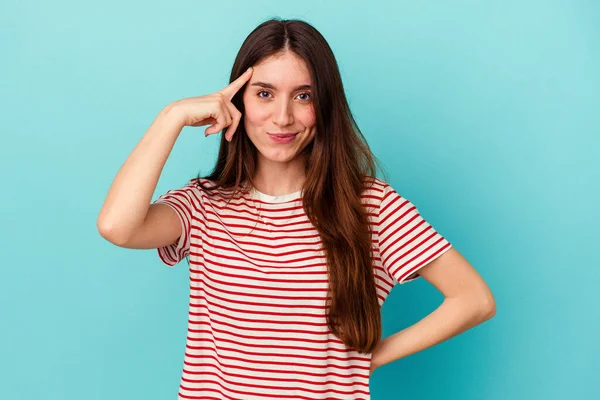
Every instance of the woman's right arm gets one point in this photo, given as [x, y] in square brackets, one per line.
[127, 217]
[127, 204]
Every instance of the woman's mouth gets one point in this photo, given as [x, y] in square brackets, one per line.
[282, 137]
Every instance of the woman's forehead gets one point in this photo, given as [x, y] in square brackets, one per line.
[286, 71]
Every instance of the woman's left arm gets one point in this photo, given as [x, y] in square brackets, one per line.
[468, 302]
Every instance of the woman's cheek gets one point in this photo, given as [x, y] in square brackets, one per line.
[308, 117]
[254, 113]
[251, 112]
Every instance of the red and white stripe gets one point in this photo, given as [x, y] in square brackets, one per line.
[258, 286]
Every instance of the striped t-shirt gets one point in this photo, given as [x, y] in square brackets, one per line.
[258, 285]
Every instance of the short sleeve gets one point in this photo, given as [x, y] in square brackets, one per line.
[407, 242]
[184, 201]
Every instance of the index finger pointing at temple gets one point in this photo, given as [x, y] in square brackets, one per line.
[231, 89]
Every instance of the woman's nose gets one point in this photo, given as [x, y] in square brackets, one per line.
[283, 114]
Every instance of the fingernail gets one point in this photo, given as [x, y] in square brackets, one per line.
[249, 69]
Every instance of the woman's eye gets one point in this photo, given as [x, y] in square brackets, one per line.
[305, 94]
[262, 91]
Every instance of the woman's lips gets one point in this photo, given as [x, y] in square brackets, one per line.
[282, 137]
[282, 133]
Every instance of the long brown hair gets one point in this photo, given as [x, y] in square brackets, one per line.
[340, 165]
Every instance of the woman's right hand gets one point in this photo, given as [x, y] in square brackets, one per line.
[215, 108]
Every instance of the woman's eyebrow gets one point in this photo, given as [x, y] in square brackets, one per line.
[269, 86]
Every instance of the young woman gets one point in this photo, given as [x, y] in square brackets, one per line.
[293, 243]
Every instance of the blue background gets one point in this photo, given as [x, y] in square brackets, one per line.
[484, 114]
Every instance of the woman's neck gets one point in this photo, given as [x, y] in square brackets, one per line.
[276, 179]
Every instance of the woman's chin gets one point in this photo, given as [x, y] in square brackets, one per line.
[277, 155]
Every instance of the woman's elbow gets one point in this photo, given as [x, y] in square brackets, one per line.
[487, 306]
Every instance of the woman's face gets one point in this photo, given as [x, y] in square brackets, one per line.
[278, 100]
